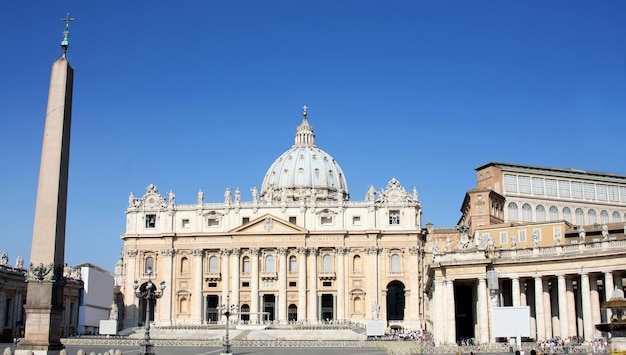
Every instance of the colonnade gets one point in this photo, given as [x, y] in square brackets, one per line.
[561, 305]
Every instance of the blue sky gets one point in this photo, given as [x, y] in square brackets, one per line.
[205, 95]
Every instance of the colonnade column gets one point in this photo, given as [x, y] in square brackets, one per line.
[594, 296]
[130, 311]
[563, 309]
[571, 307]
[450, 312]
[547, 308]
[236, 252]
[585, 294]
[341, 282]
[415, 285]
[608, 291]
[196, 296]
[282, 285]
[483, 310]
[225, 275]
[313, 252]
[436, 309]
[515, 291]
[302, 251]
[254, 286]
[540, 309]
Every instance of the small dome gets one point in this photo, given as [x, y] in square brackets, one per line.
[304, 172]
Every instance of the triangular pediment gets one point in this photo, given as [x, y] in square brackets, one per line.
[269, 224]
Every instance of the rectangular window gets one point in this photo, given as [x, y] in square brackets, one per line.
[245, 284]
[537, 232]
[327, 283]
[523, 183]
[213, 222]
[245, 220]
[185, 223]
[622, 193]
[292, 220]
[577, 189]
[326, 221]
[246, 266]
[356, 220]
[394, 217]
[557, 233]
[551, 189]
[522, 236]
[613, 193]
[537, 186]
[150, 221]
[510, 183]
[601, 191]
[503, 238]
[292, 284]
[212, 284]
[564, 188]
[590, 191]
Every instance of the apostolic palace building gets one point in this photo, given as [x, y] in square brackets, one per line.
[299, 250]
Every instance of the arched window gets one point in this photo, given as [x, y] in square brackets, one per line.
[592, 217]
[540, 213]
[527, 213]
[580, 216]
[604, 217]
[357, 264]
[245, 263]
[395, 263]
[327, 263]
[567, 214]
[213, 267]
[269, 263]
[184, 265]
[149, 267]
[554, 213]
[616, 217]
[513, 216]
[293, 264]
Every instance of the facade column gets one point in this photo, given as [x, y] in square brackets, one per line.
[585, 294]
[540, 309]
[450, 312]
[609, 286]
[594, 296]
[483, 310]
[313, 252]
[196, 300]
[234, 298]
[282, 285]
[225, 253]
[132, 303]
[547, 308]
[165, 303]
[302, 306]
[254, 286]
[571, 307]
[372, 279]
[516, 291]
[415, 270]
[341, 283]
[618, 283]
[563, 309]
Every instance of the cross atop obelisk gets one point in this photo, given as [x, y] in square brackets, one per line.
[44, 298]
[65, 43]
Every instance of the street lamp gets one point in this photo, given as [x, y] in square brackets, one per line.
[148, 294]
[227, 310]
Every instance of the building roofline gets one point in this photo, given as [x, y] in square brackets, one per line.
[509, 166]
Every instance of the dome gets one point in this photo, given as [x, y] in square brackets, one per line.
[304, 172]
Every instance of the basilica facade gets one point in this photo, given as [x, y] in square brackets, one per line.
[297, 250]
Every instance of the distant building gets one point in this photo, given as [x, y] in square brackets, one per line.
[13, 299]
[550, 239]
[96, 298]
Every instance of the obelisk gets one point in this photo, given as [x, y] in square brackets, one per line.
[44, 299]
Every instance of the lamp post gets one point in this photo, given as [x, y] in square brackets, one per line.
[227, 310]
[148, 294]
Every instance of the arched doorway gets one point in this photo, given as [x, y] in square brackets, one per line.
[292, 313]
[395, 301]
[142, 306]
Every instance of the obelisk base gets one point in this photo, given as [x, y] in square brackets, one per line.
[43, 320]
[617, 346]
